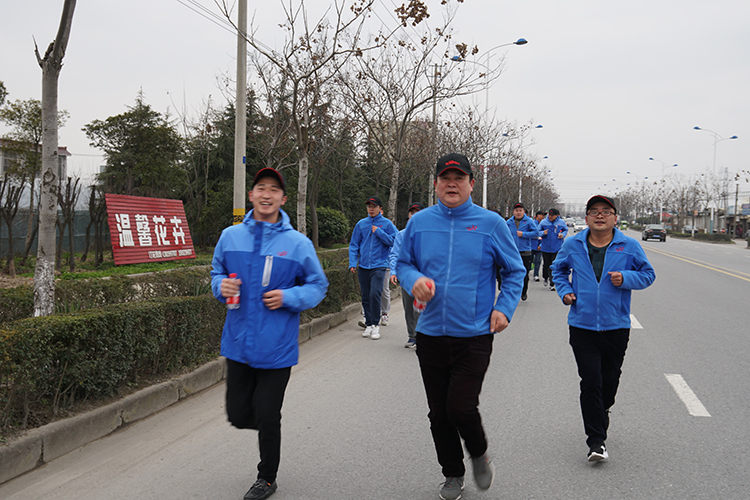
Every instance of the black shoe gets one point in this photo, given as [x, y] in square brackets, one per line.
[260, 490]
[524, 297]
[597, 453]
[552, 288]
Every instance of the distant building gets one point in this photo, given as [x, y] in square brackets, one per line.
[12, 154]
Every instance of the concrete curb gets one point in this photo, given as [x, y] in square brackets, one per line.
[53, 440]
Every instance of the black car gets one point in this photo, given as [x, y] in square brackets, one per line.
[655, 231]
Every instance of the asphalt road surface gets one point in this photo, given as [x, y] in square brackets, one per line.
[355, 416]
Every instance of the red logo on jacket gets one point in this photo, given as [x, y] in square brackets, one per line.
[619, 249]
[471, 228]
[281, 254]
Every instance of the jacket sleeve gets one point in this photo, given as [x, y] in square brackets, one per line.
[642, 275]
[561, 270]
[393, 254]
[564, 229]
[314, 282]
[218, 271]
[354, 246]
[507, 257]
[531, 230]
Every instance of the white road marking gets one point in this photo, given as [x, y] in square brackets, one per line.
[634, 324]
[694, 406]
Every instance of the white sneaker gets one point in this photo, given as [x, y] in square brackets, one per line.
[375, 333]
[367, 332]
[384, 320]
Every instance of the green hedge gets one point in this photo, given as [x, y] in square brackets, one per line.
[49, 365]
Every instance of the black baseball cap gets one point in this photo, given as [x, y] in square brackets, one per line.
[600, 198]
[518, 205]
[453, 160]
[374, 200]
[270, 172]
[416, 206]
[554, 211]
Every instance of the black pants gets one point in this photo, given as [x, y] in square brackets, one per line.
[254, 399]
[599, 356]
[453, 372]
[549, 258]
[526, 258]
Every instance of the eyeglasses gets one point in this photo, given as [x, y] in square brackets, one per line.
[594, 213]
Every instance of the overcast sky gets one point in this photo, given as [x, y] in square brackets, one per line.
[612, 83]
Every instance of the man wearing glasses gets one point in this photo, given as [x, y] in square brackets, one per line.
[608, 265]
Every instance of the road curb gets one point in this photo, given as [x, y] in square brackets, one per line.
[41, 445]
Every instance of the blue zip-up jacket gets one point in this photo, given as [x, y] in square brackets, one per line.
[266, 257]
[599, 305]
[459, 248]
[393, 255]
[551, 243]
[370, 249]
[530, 233]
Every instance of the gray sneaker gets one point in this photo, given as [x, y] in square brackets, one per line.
[484, 471]
[451, 489]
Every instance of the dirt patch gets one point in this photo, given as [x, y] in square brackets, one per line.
[8, 282]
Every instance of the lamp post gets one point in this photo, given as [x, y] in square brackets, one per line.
[520, 41]
[664, 166]
[717, 139]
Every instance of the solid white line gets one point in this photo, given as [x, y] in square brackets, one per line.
[694, 406]
[634, 324]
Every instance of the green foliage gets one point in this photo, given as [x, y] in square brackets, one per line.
[53, 362]
[333, 226]
[142, 149]
[715, 237]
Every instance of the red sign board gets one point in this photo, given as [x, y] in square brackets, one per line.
[148, 229]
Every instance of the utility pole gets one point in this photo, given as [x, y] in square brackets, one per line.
[240, 118]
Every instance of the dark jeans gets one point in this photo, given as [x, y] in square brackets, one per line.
[452, 372]
[527, 264]
[536, 259]
[371, 286]
[411, 315]
[254, 398]
[599, 356]
[549, 258]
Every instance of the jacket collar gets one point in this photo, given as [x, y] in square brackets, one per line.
[283, 225]
[459, 210]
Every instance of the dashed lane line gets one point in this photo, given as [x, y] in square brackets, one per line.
[694, 405]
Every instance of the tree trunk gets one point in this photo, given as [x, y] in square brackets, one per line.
[304, 165]
[51, 64]
[393, 198]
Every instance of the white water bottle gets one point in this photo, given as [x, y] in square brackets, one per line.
[233, 302]
[418, 304]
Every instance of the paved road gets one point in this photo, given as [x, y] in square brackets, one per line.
[355, 426]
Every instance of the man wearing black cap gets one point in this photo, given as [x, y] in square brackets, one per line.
[370, 244]
[448, 257]
[536, 251]
[608, 265]
[554, 230]
[407, 300]
[278, 275]
[525, 233]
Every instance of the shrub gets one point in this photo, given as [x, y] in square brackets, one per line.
[333, 226]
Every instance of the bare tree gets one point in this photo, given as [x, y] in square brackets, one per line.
[312, 54]
[97, 218]
[51, 64]
[10, 197]
[67, 199]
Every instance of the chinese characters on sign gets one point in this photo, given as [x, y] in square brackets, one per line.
[148, 229]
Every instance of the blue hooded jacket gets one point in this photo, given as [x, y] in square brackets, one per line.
[370, 249]
[266, 257]
[460, 248]
[551, 243]
[530, 233]
[599, 305]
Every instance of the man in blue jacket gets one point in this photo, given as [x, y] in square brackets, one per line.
[369, 247]
[606, 265]
[525, 233]
[449, 253]
[278, 276]
[536, 251]
[554, 230]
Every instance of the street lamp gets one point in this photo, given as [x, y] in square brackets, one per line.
[520, 41]
[717, 140]
[661, 197]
